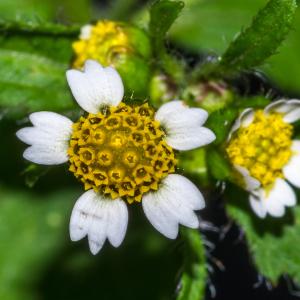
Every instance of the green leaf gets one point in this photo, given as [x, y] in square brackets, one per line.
[193, 279]
[221, 21]
[261, 40]
[273, 242]
[193, 163]
[34, 58]
[47, 10]
[218, 165]
[220, 122]
[163, 13]
[33, 230]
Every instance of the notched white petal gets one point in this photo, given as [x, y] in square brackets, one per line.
[96, 86]
[175, 113]
[183, 125]
[289, 108]
[258, 206]
[49, 138]
[278, 197]
[46, 155]
[174, 203]
[187, 138]
[98, 218]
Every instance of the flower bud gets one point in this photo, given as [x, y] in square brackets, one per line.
[125, 47]
[210, 95]
[162, 89]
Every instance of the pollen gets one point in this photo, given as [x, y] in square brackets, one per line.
[106, 40]
[263, 148]
[120, 152]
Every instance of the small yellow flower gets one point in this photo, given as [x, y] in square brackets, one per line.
[261, 148]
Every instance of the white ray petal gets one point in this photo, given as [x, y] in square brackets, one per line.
[278, 197]
[96, 86]
[291, 170]
[98, 218]
[80, 220]
[289, 108]
[250, 182]
[175, 113]
[117, 226]
[46, 155]
[244, 120]
[187, 138]
[174, 203]
[85, 32]
[158, 217]
[183, 125]
[49, 138]
[98, 225]
[258, 206]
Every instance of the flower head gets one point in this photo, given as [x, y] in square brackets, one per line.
[121, 153]
[261, 149]
[125, 47]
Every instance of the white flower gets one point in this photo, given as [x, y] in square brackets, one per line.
[261, 148]
[121, 154]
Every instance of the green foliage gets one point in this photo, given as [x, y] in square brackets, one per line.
[193, 163]
[274, 243]
[34, 58]
[220, 122]
[33, 229]
[163, 13]
[47, 10]
[213, 33]
[261, 40]
[218, 165]
[193, 278]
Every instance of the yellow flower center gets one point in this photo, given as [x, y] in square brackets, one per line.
[106, 40]
[120, 152]
[263, 148]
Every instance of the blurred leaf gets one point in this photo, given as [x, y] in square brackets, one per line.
[163, 13]
[211, 25]
[33, 229]
[220, 122]
[261, 40]
[34, 58]
[193, 279]
[193, 163]
[218, 165]
[33, 173]
[273, 242]
[254, 102]
[47, 10]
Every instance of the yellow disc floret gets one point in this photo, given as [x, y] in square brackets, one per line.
[120, 152]
[263, 148]
[105, 40]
